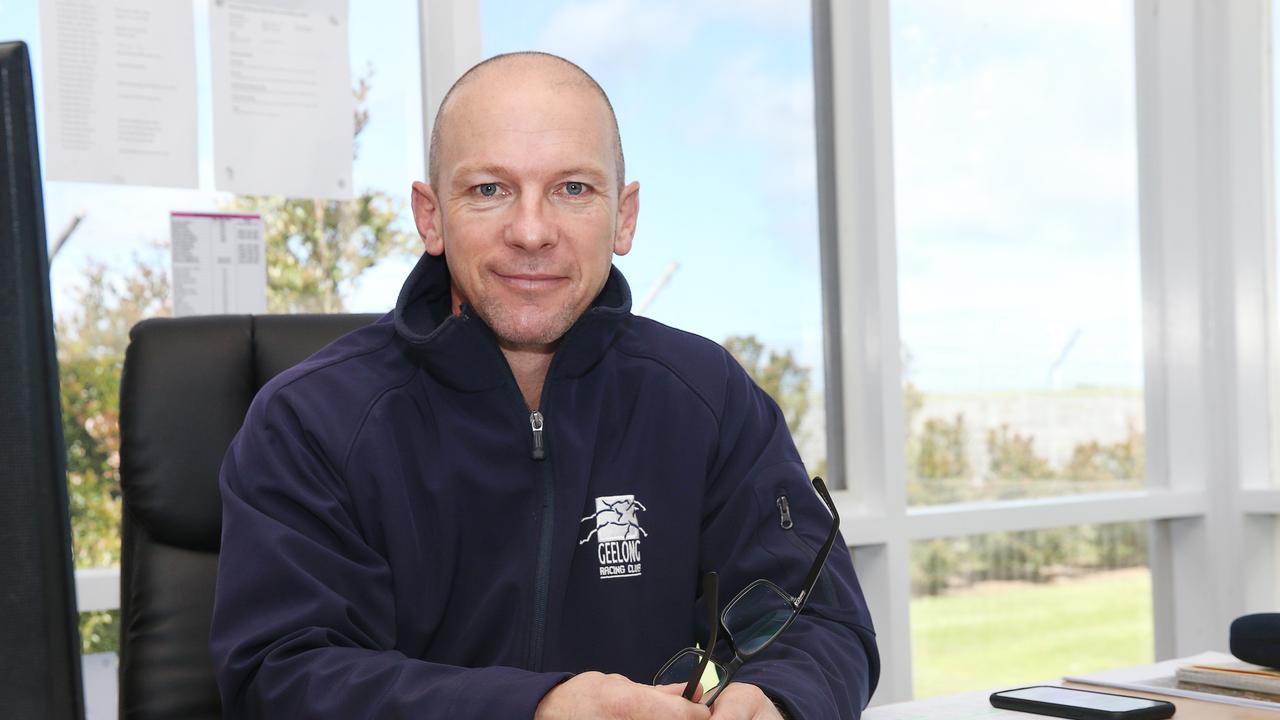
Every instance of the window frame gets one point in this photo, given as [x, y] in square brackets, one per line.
[1207, 247]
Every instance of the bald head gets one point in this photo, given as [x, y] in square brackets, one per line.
[551, 71]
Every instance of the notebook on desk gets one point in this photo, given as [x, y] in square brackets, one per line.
[1237, 678]
[1162, 678]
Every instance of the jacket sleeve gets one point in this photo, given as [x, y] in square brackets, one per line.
[304, 612]
[825, 665]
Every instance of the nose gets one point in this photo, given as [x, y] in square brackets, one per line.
[532, 228]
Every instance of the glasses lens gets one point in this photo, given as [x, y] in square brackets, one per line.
[677, 671]
[756, 617]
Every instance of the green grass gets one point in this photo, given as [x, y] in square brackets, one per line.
[1006, 634]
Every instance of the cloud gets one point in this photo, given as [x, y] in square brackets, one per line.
[1002, 135]
[754, 109]
[751, 103]
[612, 33]
[788, 15]
[998, 320]
[1019, 16]
[609, 33]
[1016, 192]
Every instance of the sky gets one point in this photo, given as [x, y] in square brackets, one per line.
[1016, 192]
[1015, 159]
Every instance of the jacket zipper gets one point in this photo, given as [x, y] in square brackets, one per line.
[542, 576]
[542, 580]
[535, 423]
[784, 512]
[540, 454]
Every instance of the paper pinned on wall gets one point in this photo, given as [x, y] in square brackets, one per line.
[119, 91]
[219, 264]
[283, 113]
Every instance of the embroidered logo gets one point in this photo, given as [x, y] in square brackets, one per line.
[616, 529]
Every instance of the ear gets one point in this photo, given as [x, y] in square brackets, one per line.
[427, 216]
[628, 212]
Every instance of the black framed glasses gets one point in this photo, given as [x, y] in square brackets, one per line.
[752, 620]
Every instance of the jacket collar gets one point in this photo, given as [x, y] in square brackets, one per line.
[461, 350]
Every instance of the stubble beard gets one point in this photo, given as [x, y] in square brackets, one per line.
[520, 328]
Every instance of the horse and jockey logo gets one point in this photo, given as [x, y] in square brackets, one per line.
[616, 529]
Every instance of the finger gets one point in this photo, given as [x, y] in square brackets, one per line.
[739, 702]
[697, 693]
[660, 705]
[677, 689]
[730, 707]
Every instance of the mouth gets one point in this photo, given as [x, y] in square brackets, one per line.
[530, 281]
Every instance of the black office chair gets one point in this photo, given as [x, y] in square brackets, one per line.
[186, 386]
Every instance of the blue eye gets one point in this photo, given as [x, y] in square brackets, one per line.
[488, 189]
[575, 188]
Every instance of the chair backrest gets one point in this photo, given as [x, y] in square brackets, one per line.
[186, 386]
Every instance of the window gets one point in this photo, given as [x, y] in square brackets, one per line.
[715, 104]
[1020, 319]
[113, 269]
[1034, 606]
[1020, 297]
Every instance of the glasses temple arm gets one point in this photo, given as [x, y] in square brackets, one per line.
[711, 598]
[811, 580]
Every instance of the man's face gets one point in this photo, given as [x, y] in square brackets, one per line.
[526, 208]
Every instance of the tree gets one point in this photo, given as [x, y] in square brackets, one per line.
[105, 309]
[912, 404]
[778, 374]
[1013, 456]
[942, 449]
[1124, 460]
[938, 462]
[316, 249]
[91, 344]
[936, 459]
[1118, 545]
[933, 563]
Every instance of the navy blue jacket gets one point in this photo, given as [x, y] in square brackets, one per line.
[399, 541]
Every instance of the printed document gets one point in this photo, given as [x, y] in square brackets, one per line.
[219, 264]
[283, 113]
[119, 91]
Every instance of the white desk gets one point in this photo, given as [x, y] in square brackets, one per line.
[974, 705]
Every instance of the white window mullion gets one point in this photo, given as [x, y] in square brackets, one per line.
[97, 589]
[1256, 298]
[449, 44]
[942, 521]
[1262, 562]
[1261, 501]
[1204, 185]
[855, 163]
[864, 528]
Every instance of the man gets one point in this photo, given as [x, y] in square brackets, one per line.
[510, 486]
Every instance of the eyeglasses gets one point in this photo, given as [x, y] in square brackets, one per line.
[752, 620]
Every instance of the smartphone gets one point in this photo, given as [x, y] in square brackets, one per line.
[1082, 704]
